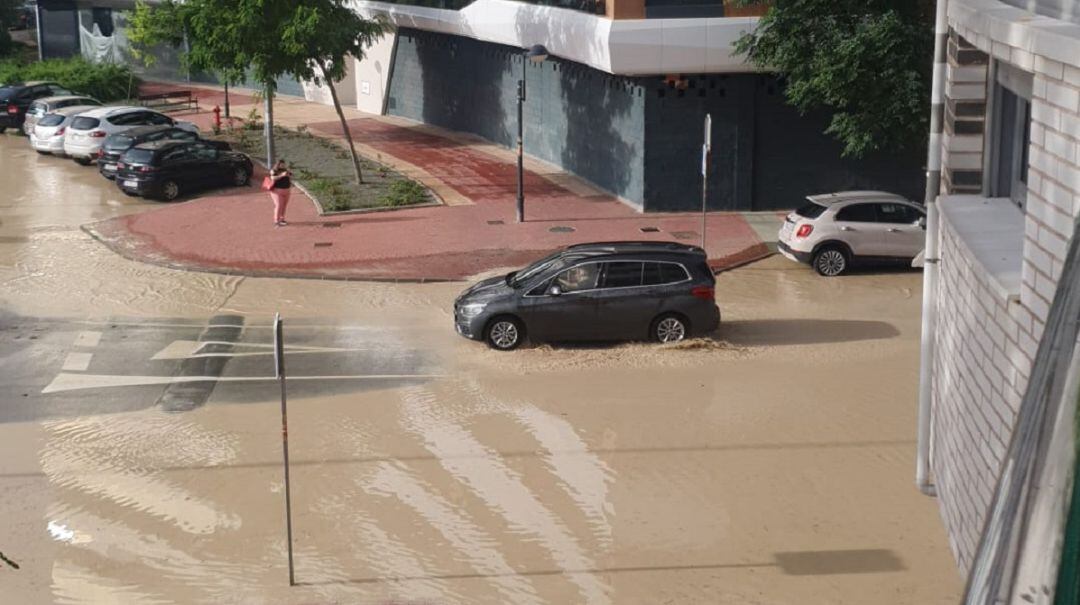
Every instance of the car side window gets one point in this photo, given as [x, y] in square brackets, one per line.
[174, 155]
[900, 214]
[664, 273]
[858, 213]
[124, 119]
[157, 119]
[204, 152]
[181, 135]
[581, 277]
[621, 274]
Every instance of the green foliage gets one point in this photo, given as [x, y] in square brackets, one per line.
[103, 81]
[404, 193]
[332, 193]
[868, 62]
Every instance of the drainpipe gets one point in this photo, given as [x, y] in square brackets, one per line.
[931, 262]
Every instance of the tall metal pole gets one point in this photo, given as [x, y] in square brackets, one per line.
[930, 254]
[521, 145]
[226, 98]
[279, 371]
[706, 150]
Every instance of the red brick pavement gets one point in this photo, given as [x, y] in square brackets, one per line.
[232, 231]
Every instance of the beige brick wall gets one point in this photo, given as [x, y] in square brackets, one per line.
[985, 342]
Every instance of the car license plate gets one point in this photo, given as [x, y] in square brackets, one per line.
[131, 184]
[110, 166]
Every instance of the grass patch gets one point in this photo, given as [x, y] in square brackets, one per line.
[325, 169]
[105, 82]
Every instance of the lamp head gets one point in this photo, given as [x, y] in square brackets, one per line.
[537, 53]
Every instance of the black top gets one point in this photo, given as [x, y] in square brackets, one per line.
[283, 182]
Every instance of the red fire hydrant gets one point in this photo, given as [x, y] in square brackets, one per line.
[217, 118]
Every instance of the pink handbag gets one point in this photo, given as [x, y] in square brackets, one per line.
[268, 183]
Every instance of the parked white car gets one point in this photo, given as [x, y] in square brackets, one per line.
[39, 108]
[47, 136]
[837, 230]
[87, 131]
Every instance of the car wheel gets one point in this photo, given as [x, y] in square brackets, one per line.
[170, 190]
[830, 261]
[670, 328]
[40, 152]
[241, 177]
[82, 161]
[504, 333]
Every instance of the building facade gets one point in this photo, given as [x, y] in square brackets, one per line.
[1008, 204]
[620, 102]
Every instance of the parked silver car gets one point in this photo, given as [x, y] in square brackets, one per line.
[40, 107]
[837, 230]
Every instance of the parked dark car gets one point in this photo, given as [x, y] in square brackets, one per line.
[116, 144]
[602, 291]
[165, 169]
[15, 99]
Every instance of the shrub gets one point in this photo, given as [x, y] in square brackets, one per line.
[404, 193]
[103, 81]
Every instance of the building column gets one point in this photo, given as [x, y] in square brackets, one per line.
[965, 117]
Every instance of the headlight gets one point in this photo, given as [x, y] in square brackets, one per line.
[471, 310]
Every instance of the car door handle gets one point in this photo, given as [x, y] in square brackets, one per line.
[845, 228]
[893, 230]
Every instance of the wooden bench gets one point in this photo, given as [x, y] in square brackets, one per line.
[172, 99]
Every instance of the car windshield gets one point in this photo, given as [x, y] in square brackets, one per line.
[810, 210]
[7, 91]
[52, 119]
[139, 156]
[85, 123]
[518, 278]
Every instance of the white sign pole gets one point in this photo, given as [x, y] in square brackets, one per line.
[279, 373]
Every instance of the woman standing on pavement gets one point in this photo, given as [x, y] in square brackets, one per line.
[280, 191]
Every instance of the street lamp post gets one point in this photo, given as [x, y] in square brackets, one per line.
[536, 54]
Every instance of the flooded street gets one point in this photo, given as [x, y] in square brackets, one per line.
[141, 438]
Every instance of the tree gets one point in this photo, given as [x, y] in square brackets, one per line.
[9, 17]
[868, 62]
[229, 37]
[325, 35]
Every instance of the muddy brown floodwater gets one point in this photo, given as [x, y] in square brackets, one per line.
[772, 464]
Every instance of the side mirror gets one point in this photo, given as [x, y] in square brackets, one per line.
[554, 290]
[921, 222]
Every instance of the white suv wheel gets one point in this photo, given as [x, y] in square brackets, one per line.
[830, 262]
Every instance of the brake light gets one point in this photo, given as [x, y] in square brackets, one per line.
[97, 134]
[59, 132]
[146, 169]
[120, 166]
[11, 109]
[804, 231]
[704, 292]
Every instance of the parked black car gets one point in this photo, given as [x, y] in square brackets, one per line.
[165, 169]
[15, 99]
[116, 144]
[601, 291]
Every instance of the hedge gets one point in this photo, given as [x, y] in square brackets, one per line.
[103, 81]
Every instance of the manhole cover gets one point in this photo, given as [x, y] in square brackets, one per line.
[685, 234]
[331, 225]
[323, 244]
[650, 230]
[561, 229]
[496, 222]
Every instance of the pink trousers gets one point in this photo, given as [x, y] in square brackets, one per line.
[281, 201]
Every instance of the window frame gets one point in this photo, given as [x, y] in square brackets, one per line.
[1018, 83]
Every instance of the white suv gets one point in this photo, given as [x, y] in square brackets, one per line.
[837, 230]
[87, 132]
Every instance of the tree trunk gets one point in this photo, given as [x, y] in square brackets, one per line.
[268, 127]
[344, 125]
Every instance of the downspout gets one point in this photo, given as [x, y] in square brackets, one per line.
[931, 254]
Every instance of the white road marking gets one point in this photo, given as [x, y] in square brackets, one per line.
[75, 382]
[77, 362]
[88, 339]
[183, 349]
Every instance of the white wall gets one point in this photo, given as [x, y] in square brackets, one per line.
[373, 75]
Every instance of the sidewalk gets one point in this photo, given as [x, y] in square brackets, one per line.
[232, 231]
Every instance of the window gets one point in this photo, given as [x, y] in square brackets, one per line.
[180, 135]
[203, 152]
[810, 210]
[177, 154]
[52, 119]
[901, 214]
[1010, 134]
[621, 275]
[858, 213]
[581, 277]
[124, 119]
[664, 273]
[157, 119]
[85, 123]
